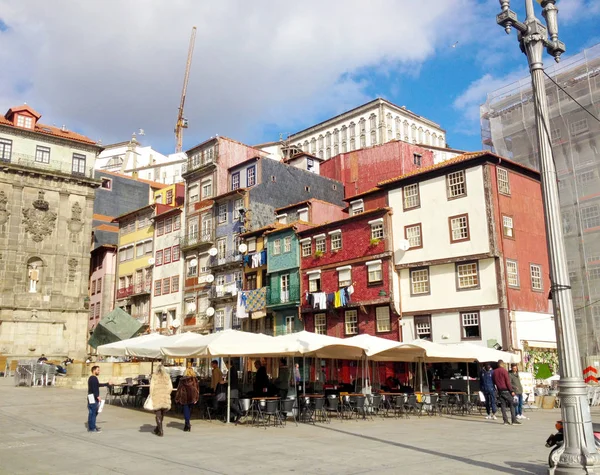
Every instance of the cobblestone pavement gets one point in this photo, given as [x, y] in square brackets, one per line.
[42, 431]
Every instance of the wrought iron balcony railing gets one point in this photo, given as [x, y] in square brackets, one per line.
[53, 165]
[279, 296]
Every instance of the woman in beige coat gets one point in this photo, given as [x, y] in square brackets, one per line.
[160, 393]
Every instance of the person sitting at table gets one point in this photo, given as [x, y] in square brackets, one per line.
[216, 376]
[261, 380]
[187, 395]
[283, 380]
[234, 391]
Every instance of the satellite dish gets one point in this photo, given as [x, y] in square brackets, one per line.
[210, 278]
[192, 307]
[243, 248]
[176, 323]
[213, 251]
[210, 311]
[151, 261]
[404, 245]
[194, 262]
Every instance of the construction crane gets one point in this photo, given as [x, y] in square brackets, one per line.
[182, 122]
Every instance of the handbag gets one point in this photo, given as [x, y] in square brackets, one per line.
[148, 406]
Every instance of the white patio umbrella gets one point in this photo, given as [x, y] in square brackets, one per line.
[306, 343]
[484, 354]
[119, 348]
[151, 349]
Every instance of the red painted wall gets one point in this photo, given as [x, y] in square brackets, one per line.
[362, 169]
[322, 212]
[525, 206]
[232, 153]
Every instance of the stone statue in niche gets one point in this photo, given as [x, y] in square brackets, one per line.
[75, 224]
[34, 277]
[72, 268]
[4, 214]
[39, 221]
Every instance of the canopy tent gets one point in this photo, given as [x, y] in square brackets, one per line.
[119, 348]
[151, 349]
[371, 345]
[484, 354]
[308, 344]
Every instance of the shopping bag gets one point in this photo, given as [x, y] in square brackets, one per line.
[148, 406]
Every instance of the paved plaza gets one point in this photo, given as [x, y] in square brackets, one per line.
[42, 431]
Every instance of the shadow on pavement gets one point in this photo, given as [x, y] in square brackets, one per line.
[176, 425]
[477, 463]
[529, 468]
[147, 428]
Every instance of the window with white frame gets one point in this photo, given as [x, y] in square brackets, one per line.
[251, 176]
[251, 244]
[503, 181]
[168, 225]
[535, 271]
[357, 207]
[377, 229]
[344, 276]
[413, 236]
[220, 280]
[221, 248]
[281, 218]
[456, 184]
[321, 324]
[5, 149]
[220, 319]
[287, 244]
[590, 216]
[320, 244]
[382, 317]
[284, 282]
[314, 281]
[193, 193]
[303, 214]
[158, 258]
[42, 154]
[459, 228]
[289, 324]
[507, 226]
[512, 273]
[336, 240]
[351, 322]
[467, 275]
[470, 325]
[192, 267]
[419, 281]
[235, 180]
[374, 272]
[411, 196]
[276, 247]
[207, 188]
[423, 327]
[237, 206]
[157, 287]
[166, 286]
[24, 121]
[306, 247]
[167, 255]
[222, 213]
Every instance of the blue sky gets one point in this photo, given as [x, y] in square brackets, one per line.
[107, 68]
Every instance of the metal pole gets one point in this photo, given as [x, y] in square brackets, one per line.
[228, 390]
[579, 453]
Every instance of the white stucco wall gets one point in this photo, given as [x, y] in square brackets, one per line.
[538, 327]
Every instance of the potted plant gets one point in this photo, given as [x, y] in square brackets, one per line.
[318, 254]
[375, 241]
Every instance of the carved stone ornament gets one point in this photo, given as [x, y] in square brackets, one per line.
[72, 268]
[75, 224]
[39, 221]
[4, 215]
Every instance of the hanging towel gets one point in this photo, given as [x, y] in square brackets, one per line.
[337, 300]
[322, 301]
[330, 299]
[263, 257]
[255, 260]
[350, 290]
[240, 311]
[343, 297]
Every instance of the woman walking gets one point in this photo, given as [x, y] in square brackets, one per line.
[187, 395]
[160, 394]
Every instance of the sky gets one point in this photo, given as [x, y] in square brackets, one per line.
[107, 68]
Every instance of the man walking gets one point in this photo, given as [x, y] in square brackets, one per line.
[93, 398]
[488, 390]
[505, 392]
[515, 382]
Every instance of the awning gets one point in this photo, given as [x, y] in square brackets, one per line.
[540, 344]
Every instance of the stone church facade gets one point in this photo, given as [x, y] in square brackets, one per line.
[47, 190]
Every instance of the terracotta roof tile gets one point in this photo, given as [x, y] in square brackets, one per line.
[106, 227]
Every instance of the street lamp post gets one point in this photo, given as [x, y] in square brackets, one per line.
[579, 453]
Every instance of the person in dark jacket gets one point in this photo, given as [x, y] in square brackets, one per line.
[515, 381]
[505, 392]
[232, 374]
[261, 380]
[94, 394]
[188, 392]
[488, 390]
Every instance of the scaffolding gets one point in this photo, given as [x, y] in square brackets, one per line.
[508, 129]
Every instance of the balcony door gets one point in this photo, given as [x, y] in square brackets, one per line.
[285, 288]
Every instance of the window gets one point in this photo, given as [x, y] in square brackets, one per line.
[93, 289]
[320, 324]
[459, 228]
[5, 150]
[169, 197]
[382, 316]
[336, 241]
[306, 247]
[139, 249]
[419, 281]
[221, 248]
[175, 284]
[351, 322]
[357, 207]
[99, 285]
[467, 275]
[24, 121]
[207, 189]
[456, 185]
[277, 247]
[578, 127]
[158, 260]
[344, 276]
[287, 244]
[411, 196]
[503, 181]
[285, 288]
[512, 273]
[281, 218]
[251, 176]
[143, 222]
[314, 281]
[289, 324]
[192, 267]
[535, 272]
[167, 255]
[237, 206]
[251, 245]
[303, 214]
[320, 244]
[42, 154]
[374, 272]
[377, 230]
[157, 287]
[220, 319]
[148, 247]
[590, 216]
[235, 180]
[423, 327]
[78, 164]
[193, 193]
[412, 234]
[417, 159]
[129, 253]
[222, 213]
[251, 282]
[177, 223]
[469, 322]
[106, 184]
[507, 227]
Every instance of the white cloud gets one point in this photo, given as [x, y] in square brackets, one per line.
[572, 11]
[109, 67]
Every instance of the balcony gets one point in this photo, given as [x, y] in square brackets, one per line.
[54, 166]
[142, 289]
[198, 162]
[198, 322]
[229, 258]
[291, 296]
[196, 239]
[124, 292]
[229, 290]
